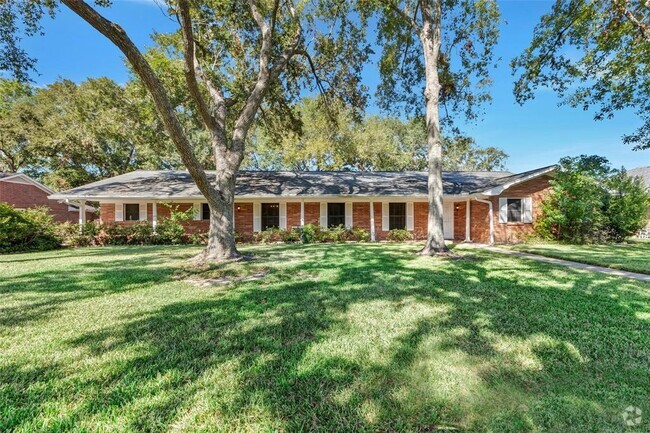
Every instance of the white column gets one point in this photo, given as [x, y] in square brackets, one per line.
[372, 222]
[302, 213]
[467, 226]
[82, 215]
[154, 215]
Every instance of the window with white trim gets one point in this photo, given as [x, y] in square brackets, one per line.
[514, 209]
[396, 216]
[270, 216]
[335, 214]
[131, 212]
[205, 211]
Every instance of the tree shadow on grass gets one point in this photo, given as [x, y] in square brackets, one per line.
[37, 295]
[376, 340]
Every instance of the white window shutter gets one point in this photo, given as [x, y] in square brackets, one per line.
[143, 211]
[348, 215]
[409, 216]
[503, 210]
[323, 215]
[119, 212]
[283, 216]
[197, 211]
[384, 217]
[257, 217]
[527, 204]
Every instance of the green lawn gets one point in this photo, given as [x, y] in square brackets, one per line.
[333, 338]
[633, 256]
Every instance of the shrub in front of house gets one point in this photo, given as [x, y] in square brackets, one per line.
[399, 235]
[592, 203]
[28, 230]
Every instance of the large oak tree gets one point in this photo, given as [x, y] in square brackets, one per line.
[239, 57]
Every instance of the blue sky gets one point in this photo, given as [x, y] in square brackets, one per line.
[537, 134]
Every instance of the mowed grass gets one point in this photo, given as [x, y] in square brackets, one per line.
[333, 338]
[633, 256]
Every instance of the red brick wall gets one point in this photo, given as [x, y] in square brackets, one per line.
[312, 213]
[244, 217]
[517, 232]
[23, 196]
[107, 212]
[293, 215]
[361, 215]
[459, 220]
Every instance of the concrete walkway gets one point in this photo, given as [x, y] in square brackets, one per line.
[567, 263]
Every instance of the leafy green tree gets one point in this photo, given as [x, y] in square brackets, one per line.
[591, 202]
[594, 55]
[94, 130]
[332, 138]
[446, 48]
[239, 59]
[17, 119]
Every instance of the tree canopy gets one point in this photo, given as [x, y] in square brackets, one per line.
[333, 138]
[596, 56]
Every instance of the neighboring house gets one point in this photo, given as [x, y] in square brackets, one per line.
[23, 192]
[481, 207]
[644, 174]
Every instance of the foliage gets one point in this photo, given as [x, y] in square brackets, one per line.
[311, 233]
[68, 134]
[591, 202]
[27, 230]
[399, 235]
[332, 138]
[594, 55]
[170, 230]
[469, 32]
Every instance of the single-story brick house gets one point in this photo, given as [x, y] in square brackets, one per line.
[23, 192]
[483, 207]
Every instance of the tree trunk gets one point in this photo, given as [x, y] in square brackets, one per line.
[430, 38]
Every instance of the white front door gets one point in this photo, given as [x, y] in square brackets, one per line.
[448, 219]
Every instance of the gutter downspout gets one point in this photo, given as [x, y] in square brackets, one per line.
[491, 217]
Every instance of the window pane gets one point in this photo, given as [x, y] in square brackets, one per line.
[514, 210]
[335, 214]
[396, 216]
[270, 215]
[205, 211]
[131, 212]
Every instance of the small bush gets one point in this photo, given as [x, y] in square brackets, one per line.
[28, 230]
[309, 233]
[399, 235]
[359, 235]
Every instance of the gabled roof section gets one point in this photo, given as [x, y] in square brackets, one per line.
[506, 182]
[23, 178]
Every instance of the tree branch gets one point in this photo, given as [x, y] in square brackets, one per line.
[643, 28]
[190, 69]
[405, 16]
[157, 91]
[265, 76]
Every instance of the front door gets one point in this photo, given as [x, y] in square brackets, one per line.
[448, 219]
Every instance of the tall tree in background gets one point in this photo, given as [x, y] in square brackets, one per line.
[333, 138]
[612, 69]
[447, 47]
[237, 57]
[17, 119]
